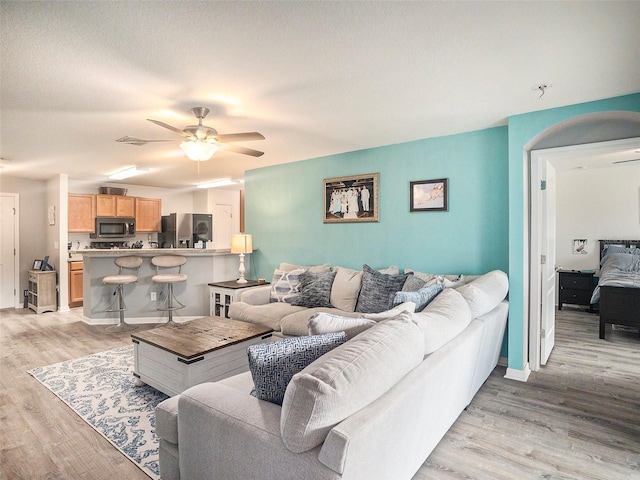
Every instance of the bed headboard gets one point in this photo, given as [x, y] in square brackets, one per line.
[623, 243]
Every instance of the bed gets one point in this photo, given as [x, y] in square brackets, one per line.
[618, 289]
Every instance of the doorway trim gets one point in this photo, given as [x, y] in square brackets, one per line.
[16, 246]
[555, 156]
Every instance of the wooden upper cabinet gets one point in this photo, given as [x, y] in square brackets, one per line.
[115, 206]
[148, 214]
[82, 213]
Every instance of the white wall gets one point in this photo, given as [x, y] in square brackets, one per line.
[595, 204]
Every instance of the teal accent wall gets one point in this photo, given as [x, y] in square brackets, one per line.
[483, 229]
[521, 130]
[284, 208]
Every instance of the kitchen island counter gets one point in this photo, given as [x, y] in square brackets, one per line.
[144, 297]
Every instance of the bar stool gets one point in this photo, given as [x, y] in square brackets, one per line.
[132, 264]
[169, 261]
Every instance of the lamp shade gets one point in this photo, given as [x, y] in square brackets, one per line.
[241, 243]
[199, 151]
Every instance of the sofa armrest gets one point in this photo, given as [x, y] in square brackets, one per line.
[256, 296]
[226, 433]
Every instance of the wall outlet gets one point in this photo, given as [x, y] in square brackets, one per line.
[153, 296]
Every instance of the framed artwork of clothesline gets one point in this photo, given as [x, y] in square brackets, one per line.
[352, 199]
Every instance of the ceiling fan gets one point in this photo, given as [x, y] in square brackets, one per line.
[201, 141]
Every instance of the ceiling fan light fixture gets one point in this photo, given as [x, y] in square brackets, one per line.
[199, 151]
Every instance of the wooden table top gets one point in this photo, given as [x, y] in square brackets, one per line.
[198, 337]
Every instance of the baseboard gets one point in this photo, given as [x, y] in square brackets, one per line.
[503, 361]
[137, 321]
[519, 375]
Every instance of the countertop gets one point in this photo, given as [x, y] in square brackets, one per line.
[94, 252]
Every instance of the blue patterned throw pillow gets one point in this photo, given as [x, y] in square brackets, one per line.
[272, 365]
[421, 297]
[284, 285]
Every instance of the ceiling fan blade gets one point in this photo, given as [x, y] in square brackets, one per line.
[244, 150]
[169, 127]
[139, 141]
[239, 137]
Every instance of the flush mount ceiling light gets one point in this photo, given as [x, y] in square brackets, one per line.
[128, 172]
[222, 182]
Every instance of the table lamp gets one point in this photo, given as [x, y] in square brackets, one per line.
[241, 243]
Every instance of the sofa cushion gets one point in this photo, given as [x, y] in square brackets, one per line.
[326, 322]
[486, 292]
[421, 297]
[409, 307]
[296, 323]
[273, 364]
[443, 319]
[377, 290]
[285, 284]
[269, 314]
[345, 288]
[315, 290]
[348, 379]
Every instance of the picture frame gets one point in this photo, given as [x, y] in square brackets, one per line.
[36, 265]
[429, 195]
[354, 198]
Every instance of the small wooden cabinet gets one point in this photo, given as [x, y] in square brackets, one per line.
[75, 283]
[148, 214]
[41, 295]
[576, 288]
[223, 294]
[115, 206]
[81, 213]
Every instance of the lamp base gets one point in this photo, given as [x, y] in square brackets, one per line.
[241, 270]
[241, 280]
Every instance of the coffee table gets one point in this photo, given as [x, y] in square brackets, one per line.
[173, 358]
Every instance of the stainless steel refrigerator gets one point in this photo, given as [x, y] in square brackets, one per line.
[184, 230]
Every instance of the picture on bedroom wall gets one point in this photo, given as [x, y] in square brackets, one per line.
[429, 195]
[352, 199]
[580, 246]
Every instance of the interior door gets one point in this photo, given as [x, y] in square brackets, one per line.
[222, 225]
[548, 268]
[8, 268]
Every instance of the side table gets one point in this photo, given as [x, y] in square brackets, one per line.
[576, 287]
[223, 294]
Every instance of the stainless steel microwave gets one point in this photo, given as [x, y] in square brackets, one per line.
[114, 227]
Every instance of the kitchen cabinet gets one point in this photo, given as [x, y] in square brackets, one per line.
[41, 295]
[75, 283]
[81, 213]
[115, 206]
[148, 214]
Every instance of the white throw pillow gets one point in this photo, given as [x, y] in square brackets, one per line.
[408, 307]
[285, 284]
[347, 379]
[443, 319]
[287, 267]
[322, 323]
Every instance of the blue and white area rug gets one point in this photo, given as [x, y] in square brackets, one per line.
[100, 388]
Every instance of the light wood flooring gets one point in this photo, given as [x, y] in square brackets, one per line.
[578, 418]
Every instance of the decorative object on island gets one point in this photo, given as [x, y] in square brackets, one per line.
[352, 199]
[241, 243]
[429, 195]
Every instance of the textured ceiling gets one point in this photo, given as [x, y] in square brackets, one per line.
[316, 78]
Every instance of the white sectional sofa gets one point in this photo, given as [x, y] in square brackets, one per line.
[374, 407]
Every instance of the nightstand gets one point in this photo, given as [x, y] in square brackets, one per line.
[576, 288]
[223, 294]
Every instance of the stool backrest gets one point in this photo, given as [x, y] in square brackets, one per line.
[169, 261]
[131, 262]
